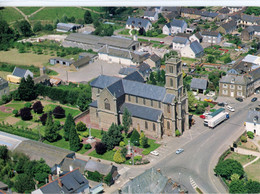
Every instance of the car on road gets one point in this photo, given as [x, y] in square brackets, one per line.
[230, 109]
[155, 153]
[178, 151]
[202, 116]
[239, 99]
[254, 99]
[257, 109]
[221, 104]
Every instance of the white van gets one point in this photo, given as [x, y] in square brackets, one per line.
[230, 109]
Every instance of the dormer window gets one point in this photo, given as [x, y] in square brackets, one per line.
[233, 80]
[139, 23]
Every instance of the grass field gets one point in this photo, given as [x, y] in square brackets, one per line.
[14, 57]
[4, 115]
[243, 159]
[15, 105]
[11, 85]
[4, 74]
[106, 156]
[10, 14]
[152, 146]
[97, 9]
[28, 10]
[253, 171]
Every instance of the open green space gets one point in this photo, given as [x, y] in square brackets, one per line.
[243, 159]
[253, 171]
[9, 14]
[15, 105]
[152, 146]
[13, 86]
[23, 124]
[4, 115]
[28, 10]
[106, 156]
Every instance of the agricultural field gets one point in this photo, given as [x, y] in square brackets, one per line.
[10, 15]
[29, 10]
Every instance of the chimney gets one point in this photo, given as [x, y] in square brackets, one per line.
[59, 183]
[71, 168]
[50, 178]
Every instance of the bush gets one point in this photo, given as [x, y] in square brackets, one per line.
[122, 144]
[177, 133]
[138, 158]
[37, 107]
[135, 137]
[81, 126]
[43, 118]
[26, 114]
[243, 139]
[15, 95]
[108, 179]
[250, 134]
[85, 134]
[28, 105]
[100, 148]
[15, 112]
[58, 112]
[88, 146]
[95, 176]
[118, 157]
[205, 104]
[6, 98]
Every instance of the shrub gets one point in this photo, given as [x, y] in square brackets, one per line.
[88, 146]
[85, 134]
[177, 133]
[100, 148]
[6, 98]
[250, 134]
[15, 95]
[143, 140]
[43, 118]
[15, 112]
[58, 112]
[81, 126]
[57, 124]
[26, 114]
[95, 176]
[243, 139]
[138, 158]
[146, 152]
[28, 105]
[124, 152]
[135, 137]
[108, 179]
[118, 157]
[37, 107]
[122, 144]
[205, 104]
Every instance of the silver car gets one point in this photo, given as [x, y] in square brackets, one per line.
[178, 151]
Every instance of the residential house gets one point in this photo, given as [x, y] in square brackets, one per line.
[222, 18]
[191, 13]
[102, 168]
[248, 20]
[227, 28]
[174, 27]
[4, 87]
[62, 61]
[196, 37]
[71, 182]
[144, 69]
[178, 43]
[199, 85]
[224, 10]
[209, 16]
[69, 164]
[193, 50]
[137, 23]
[253, 122]
[235, 9]
[63, 27]
[151, 15]
[154, 61]
[248, 33]
[18, 74]
[212, 37]
[155, 110]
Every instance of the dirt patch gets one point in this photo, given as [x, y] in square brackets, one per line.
[11, 120]
[6, 109]
[34, 125]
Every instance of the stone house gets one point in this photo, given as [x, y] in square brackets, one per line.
[154, 61]
[196, 37]
[137, 23]
[212, 37]
[155, 110]
[178, 43]
[151, 15]
[249, 32]
[191, 13]
[248, 20]
[174, 27]
[253, 122]
[4, 87]
[192, 50]
[227, 28]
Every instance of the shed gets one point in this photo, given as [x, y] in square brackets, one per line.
[64, 27]
[61, 61]
[199, 85]
[82, 62]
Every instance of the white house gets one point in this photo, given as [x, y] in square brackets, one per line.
[196, 37]
[137, 23]
[151, 15]
[174, 27]
[213, 37]
[22, 73]
[193, 50]
[253, 122]
[178, 43]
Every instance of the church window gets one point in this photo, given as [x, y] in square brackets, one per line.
[107, 105]
[154, 127]
[171, 69]
[129, 98]
[171, 82]
[159, 104]
[136, 99]
[151, 102]
[143, 101]
[146, 125]
[168, 108]
[168, 125]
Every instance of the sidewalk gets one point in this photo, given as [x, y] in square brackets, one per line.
[247, 152]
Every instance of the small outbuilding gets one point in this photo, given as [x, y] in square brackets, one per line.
[18, 74]
[4, 87]
[198, 85]
[64, 27]
[62, 61]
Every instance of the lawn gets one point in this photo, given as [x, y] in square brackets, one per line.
[28, 10]
[4, 115]
[4, 74]
[16, 105]
[13, 86]
[253, 171]
[243, 159]
[106, 156]
[97, 9]
[23, 124]
[10, 14]
[152, 146]
[73, 112]
[161, 36]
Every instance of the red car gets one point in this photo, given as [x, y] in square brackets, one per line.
[202, 116]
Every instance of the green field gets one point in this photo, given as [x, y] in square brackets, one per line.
[4, 115]
[106, 156]
[10, 14]
[253, 171]
[73, 112]
[15, 105]
[28, 10]
[243, 159]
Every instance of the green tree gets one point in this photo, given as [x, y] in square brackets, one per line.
[25, 28]
[237, 186]
[191, 101]
[69, 124]
[118, 158]
[252, 187]
[24, 183]
[51, 129]
[234, 177]
[143, 140]
[227, 60]
[37, 26]
[113, 137]
[4, 152]
[127, 120]
[74, 140]
[95, 176]
[135, 137]
[81, 126]
[108, 179]
[26, 89]
[250, 134]
[87, 17]
[211, 59]
[163, 76]
[7, 35]
[83, 101]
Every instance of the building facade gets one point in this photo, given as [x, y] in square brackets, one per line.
[156, 110]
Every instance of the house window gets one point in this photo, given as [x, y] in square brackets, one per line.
[151, 102]
[136, 99]
[240, 87]
[171, 82]
[143, 101]
[168, 125]
[224, 91]
[146, 125]
[224, 85]
[171, 69]
[129, 98]
[239, 93]
[232, 86]
[107, 105]
[154, 127]
[168, 108]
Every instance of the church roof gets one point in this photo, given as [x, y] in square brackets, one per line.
[103, 81]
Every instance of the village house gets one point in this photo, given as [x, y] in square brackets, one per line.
[156, 110]
[224, 10]
[235, 9]
[154, 61]
[192, 50]
[248, 20]
[4, 87]
[191, 13]
[250, 32]
[174, 27]
[18, 74]
[178, 43]
[208, 16]
[199, 85]
[196, 37]
[151, 15]
[212, 37]
[253, 122]
[227, 28]
[137, 23]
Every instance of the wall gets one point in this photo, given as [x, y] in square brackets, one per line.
[252, 127]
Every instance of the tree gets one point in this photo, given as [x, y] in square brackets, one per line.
[24, 183]
[152, 79]
[58, 112]
[234, 177]
[7, 35]
[252, 187]
[81, 126]
[37, 26]
[143, 140]
[163, 76]
[113, 137]
[237, 186]
[87, 17]
[37, 107]
[25, 28]
[83, 100]
[191, 101]
[141, 31]
[26, 114]
[228, 167]
[74, 140]
[95, 176]
[100, 148]
[135, 137]
[43, 118]
[51, 129]
[250, 134]
[243, 139]
[26, 89]
[227, 60]
[211, 59]
[108, 179]
[69, 124]
[4, 152]
[48, 27]
[127, 120]
[118, 158]
[205, 104]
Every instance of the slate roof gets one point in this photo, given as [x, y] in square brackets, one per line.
[117, 89]
[229, 26]
[255, 74]
[75, 163]
[168, 99]
[93, 104]
[178, 23]
[65, 26]
[149, 13]
[144, 68]
[155, 58]
[198, 35]
[3, 83]
[84, 38]
[224, 10]
[209, 14]
[103, 81]
[196, 47]
[122, 53]
[137, 22]
[183, 35]
[256, 28]
[85, 54]
[19, 72]
[180, 40]
[232, 71]
[191, 11]
[134, 76]
[239, 79]
[116, 41]
[71, 182]
[102, 168]
[252, 116]
[210, 33]
[62, 59]
[82, 61]
[126, 70]
[250, 18]
[197, 83]
[142, 112]
[249, 29]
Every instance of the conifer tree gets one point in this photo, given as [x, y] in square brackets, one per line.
[51, 134]
[118, 157]
[26, 89]
[127, 120]
[69, 124]
[74, 140]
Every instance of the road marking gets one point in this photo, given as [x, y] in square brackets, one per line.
[193, 184]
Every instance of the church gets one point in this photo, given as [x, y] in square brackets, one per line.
[154, 109]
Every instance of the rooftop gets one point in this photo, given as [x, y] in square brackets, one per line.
[196, 47]
[102, 168]
[197, 83]
[180, 40]
[253, 117]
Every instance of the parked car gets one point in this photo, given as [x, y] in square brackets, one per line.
[202, 116]
[155, 153]
[221, 104]
[178, 151]
[208, 100]
[257, 109]
[230, 109]
[239, 99]
[254, 99]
